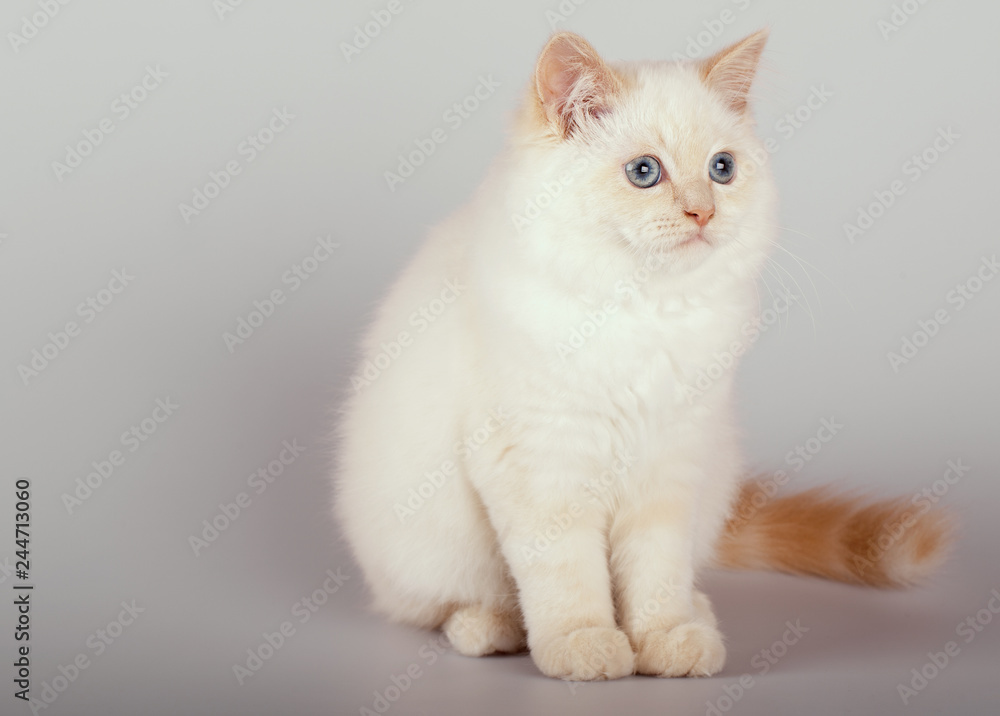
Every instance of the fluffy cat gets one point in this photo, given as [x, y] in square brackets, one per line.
[522, 461]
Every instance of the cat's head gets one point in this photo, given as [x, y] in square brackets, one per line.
[659, 158]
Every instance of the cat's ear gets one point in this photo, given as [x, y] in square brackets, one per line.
[572, 82]
[731, 71]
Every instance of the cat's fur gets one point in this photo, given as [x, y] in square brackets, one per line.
[522, 461]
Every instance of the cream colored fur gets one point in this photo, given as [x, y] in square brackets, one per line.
[528, 467]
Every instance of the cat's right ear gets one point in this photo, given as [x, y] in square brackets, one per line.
[572, 82]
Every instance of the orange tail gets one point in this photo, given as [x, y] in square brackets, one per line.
[883, 543]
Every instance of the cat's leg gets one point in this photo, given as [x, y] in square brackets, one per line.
[481, 629]
[556, 547]
[433, 563]
[447, 572]
[477, 622]
[703, 609]
[565, 591]
[479, 616]
[670, 624]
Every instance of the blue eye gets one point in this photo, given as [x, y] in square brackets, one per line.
[643, 171]
[722, 168]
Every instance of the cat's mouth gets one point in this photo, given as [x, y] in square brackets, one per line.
[695, 240]
[694, 245]
[698, 238]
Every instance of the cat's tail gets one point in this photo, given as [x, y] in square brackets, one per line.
[849, 538]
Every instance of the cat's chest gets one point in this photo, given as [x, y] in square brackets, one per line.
[622, 354]
[635, 378]
[649, 351]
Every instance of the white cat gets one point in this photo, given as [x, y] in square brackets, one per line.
[523, 460]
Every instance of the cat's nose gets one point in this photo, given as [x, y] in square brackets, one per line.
[701, 215]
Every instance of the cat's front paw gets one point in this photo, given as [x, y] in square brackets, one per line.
[588, 654]
[690, 649]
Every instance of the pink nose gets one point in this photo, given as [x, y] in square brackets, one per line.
[701, 216]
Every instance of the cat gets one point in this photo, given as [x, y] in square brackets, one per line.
[522, 461]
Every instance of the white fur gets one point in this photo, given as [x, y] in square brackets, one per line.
[614, 589]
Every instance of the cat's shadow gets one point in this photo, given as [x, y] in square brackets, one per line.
[776, 623]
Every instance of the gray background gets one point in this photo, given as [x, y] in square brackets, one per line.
[162, 337]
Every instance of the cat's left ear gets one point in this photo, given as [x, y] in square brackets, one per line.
[731, 71]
